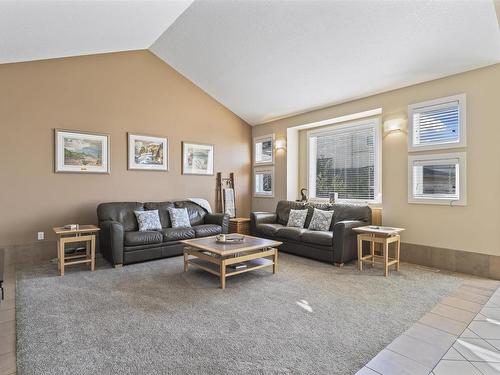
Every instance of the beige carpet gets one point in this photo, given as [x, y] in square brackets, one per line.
[152, 318]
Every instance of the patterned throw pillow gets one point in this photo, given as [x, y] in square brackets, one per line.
[297, 218]
[179, 218]
[148, 220]
[321, 220]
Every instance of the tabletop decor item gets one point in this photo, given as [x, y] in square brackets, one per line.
[229, 238]
[81, 152]
[197, 158]
[147, 152]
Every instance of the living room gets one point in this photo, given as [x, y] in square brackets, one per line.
[276, 187]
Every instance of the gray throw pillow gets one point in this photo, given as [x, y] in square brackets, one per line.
[179, 218]
[148, 220]
[297, 218]
[321, 220]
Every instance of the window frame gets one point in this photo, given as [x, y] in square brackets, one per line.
[258, 170]
[462, 128]
[374, 122]
[462, 179]
[260, 139]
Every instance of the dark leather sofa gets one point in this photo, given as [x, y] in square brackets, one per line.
[338, 245]
[121, 242]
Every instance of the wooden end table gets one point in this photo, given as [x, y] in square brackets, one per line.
[84, 233]
[219, 259]
[384, 236]
[240, 225]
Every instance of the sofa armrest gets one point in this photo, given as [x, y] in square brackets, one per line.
[261, 218]
[111, 241]
[219, 219]
[345, 240]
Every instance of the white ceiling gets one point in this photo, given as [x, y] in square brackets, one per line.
[267, 59]
[34, 30]
[270, 59]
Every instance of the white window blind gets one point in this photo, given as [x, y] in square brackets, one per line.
[345, 160]
[437, 179]
[438, 123]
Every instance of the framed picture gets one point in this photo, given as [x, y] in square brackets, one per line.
[263, 150]
[197, 158]
[263, 182]
[81, 152]
[147, 152]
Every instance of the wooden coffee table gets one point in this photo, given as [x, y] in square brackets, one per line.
[221, 259]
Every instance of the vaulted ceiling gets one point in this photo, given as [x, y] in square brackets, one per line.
[267, 59]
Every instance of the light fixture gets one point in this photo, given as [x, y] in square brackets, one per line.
[280, 144]
[394, 125]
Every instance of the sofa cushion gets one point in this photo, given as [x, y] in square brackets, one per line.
[268, 229]
[122, 212]
[321, 220]
[283, 210]
[179, 217]
[290, 233]
[206, 230]
[196, 213]
[162, 208]
[317, 237]
[148, 220]
[297, 218]
[176, 234]
[136, 238]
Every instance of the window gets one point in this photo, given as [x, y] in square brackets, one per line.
[437, 124]
[346, 159]
[437, 179]
[263, 150]
[264, 182]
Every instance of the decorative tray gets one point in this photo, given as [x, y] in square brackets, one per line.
[229, 239]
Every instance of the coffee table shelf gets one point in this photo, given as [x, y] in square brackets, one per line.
[251, 265]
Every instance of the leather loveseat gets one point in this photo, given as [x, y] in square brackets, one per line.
[338, 245]
[122, 243]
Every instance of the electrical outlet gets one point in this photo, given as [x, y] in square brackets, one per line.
[41, 236]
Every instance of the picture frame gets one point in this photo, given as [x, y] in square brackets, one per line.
[263, 150]
[78, 151]
[147, 152]
[197, 159]
[263, 182]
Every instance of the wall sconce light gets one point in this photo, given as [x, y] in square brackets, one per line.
[395, 125]
[280, 144]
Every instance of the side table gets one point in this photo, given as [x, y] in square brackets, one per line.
[240, 225]
[84, 233]
[384, 236]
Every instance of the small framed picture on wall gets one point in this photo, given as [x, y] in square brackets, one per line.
[197, 158]
[147, 153]
[81, 152]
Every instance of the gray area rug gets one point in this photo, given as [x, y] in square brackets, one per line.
[152, 318]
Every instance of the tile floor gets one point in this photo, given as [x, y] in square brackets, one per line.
[460, 335]
[8, 324]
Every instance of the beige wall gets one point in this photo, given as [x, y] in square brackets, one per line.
[471, 228]
[111, 93]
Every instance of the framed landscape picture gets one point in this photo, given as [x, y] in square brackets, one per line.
[197, 158]
[147, 152]
[81, 152]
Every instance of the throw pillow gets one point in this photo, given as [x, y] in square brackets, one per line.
[179, 218]
[321, 220]
[148, 220]
[297, 218]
